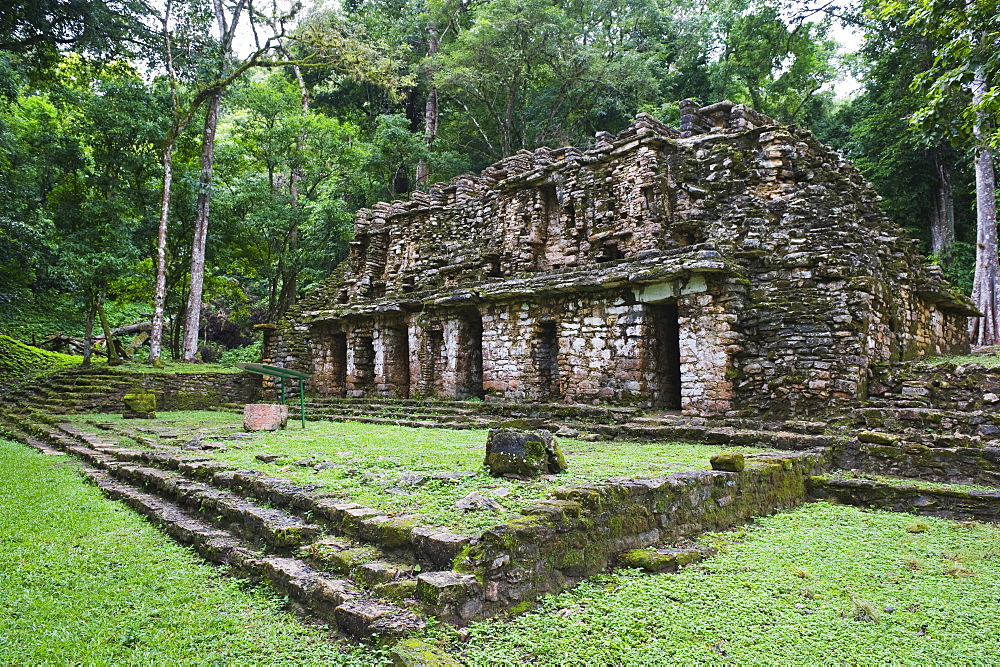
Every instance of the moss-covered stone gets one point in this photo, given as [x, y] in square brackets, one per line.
[877, 438]
[139, 406]
[397, 590]
[728, 462]
[659, 560]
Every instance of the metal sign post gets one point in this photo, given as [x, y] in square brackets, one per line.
[283, 373]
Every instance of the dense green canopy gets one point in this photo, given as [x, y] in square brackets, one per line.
[336, 110]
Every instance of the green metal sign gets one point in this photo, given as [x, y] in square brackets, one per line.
[284, 374]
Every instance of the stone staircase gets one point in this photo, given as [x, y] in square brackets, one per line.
[364, 572]
[583, 421]
[937, 423]
[81, 390]
[75, 391]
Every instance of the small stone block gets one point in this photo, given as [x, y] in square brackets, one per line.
[876, 438]
[139, 406]
[728, 462]
[264, 417]
[436, 589]
[397, 590]
[371, 574]
[417, 653]
[355, 617]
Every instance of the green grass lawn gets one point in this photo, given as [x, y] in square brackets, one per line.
[362, 462]
[820, 585]
[84, 580]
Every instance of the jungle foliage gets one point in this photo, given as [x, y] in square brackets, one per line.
[324, 112]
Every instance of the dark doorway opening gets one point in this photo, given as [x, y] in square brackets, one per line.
[469, 364]
[398, 361]
[545, 354]
[364, 362]
[338, 364]
[433, 362]
[665, 341]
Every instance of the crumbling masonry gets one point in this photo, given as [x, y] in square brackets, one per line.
[735, 265]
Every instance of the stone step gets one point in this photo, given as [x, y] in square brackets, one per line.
[334, 600]
[784, 440]
[953, 421]
[432, 547]
[399, 413]
[908, 495]
[376, 407]
[366, 565]
[412, 423]
[509, 409]
[873, 453]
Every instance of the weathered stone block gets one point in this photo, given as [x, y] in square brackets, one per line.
[728, 462]
[265, 417]
[660, 560]
[876, 438]
[139, 406]
[436, 589]
[418, 653]
[525, 453]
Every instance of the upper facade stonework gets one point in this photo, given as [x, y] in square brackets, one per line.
[732, 265]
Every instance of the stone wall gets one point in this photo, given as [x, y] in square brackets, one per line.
[979, 505]
[200, 391]
[579, 530]
[736, 265]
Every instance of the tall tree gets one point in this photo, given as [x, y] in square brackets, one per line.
[962, 104]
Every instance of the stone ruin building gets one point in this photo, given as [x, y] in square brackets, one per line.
[732, 266]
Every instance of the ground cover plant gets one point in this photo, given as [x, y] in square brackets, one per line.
[87, 581]
[393, 468]
[822, 584]
[20, 362]
[985, 356]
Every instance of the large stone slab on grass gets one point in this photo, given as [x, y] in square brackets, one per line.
[524, 453]
[265, 417]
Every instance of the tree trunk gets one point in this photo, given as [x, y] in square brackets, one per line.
[430, 106]
[985, 330]
[109, 342]
[192, 320]
[160, 293]
[942, 215]
[88, 333]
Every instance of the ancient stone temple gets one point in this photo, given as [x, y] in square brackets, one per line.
[732, 265]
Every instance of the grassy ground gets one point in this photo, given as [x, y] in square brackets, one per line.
[86, 581]
[985, 356]
[362, 462]
[820, 585]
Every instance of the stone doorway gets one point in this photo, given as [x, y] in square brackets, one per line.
[664, 341]
[469, 359]
[363, 378]
[338, 364]
[545, 354]
[397, 361]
